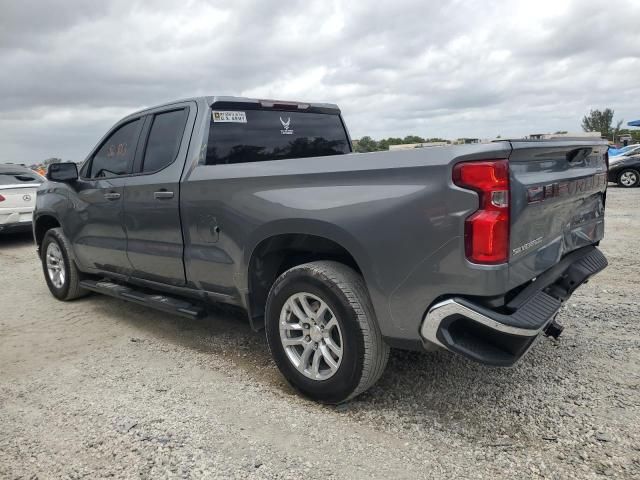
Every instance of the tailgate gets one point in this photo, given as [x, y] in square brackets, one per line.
[557, 202]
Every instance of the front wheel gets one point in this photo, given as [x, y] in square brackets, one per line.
[322, 332]
[60, 271]
[629, 177]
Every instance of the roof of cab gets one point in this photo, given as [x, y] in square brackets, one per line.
[270, 103]
[257, 102]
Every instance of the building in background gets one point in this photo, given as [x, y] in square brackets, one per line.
[466, 141]
[407, 146]
[547, 136]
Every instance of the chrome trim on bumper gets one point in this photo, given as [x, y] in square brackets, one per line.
[446, 308]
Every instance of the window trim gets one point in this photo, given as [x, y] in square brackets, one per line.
[86, 168]
[146, 134]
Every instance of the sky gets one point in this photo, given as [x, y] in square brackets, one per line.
[462, 68]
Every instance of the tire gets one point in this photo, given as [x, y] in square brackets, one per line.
[66, 287]
[629, 178]
[355, 332]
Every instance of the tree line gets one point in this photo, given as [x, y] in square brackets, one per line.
[602, 121]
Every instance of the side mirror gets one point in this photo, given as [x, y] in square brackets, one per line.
[62, 172]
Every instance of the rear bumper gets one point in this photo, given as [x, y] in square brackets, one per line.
[502, 338]
[16, 219]
[15, 227]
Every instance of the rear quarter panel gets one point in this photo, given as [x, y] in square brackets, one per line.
[397, 213]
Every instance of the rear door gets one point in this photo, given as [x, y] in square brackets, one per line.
[557, 202]
[98, 234]
[152, 196]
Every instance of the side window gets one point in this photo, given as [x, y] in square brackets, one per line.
[164, 139]
[115, 157]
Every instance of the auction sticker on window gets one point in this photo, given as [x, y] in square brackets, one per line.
[229, 117]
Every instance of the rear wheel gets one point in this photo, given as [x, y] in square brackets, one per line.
[629, 177]
[322, 332]
[60, 271]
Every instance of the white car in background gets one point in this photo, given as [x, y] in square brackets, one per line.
[18, 187]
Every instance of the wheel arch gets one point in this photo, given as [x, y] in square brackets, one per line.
[280, 251]
[42, 224]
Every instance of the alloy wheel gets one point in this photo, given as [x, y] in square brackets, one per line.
[55, 265]
[311, 336]
[628, 178]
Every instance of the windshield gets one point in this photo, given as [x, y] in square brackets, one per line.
[243, 136]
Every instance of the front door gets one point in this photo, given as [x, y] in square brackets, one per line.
[98, 235]
[152, 197]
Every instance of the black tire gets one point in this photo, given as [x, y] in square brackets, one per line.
[629, 174]
[364, 354]
[70, 288]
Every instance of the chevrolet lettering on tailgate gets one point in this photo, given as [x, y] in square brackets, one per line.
[562, 189]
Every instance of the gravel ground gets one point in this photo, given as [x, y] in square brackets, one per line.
[102, 388]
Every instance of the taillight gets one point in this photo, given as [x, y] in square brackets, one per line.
[486, 231]
[2, 199]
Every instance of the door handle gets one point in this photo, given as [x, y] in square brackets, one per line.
[112, 196]
[162, 194]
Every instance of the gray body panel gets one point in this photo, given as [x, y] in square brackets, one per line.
[397, 213]
[562, 223]
[97, 226]
[155, 246]
[390, 217]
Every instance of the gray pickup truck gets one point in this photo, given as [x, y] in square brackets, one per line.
[338, 256]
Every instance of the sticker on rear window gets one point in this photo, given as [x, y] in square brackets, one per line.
[286, 124]
[229, 117]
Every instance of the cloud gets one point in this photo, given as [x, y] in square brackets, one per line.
[459, 68]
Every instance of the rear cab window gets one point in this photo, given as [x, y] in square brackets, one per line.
[254, 135]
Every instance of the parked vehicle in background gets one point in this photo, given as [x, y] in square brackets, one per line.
[624, 169]
[614, 152]
[338, 256]
[18, 186]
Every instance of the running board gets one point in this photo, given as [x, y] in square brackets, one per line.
[153, 300]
